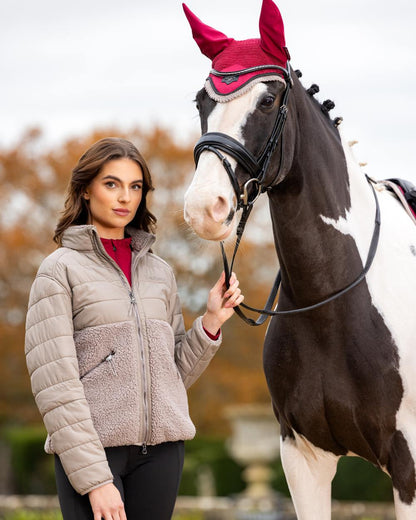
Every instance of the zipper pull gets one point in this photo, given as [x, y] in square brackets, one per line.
[144, 448]
[109, 359]
[132, 298]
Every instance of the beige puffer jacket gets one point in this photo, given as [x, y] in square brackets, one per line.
[109, 363]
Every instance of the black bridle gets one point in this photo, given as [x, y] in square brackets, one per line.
[217, 142]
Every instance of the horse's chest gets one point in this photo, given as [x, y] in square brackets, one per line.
[335, 381]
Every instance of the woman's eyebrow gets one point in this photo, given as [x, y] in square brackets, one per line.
[114, 178]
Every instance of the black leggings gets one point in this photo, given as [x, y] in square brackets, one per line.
[148, 483]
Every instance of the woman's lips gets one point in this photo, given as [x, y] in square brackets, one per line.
[121, 212]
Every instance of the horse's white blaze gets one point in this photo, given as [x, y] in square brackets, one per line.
[391, 282]
[208, 189]
[309, 472]
[210, 198]
[231, 117]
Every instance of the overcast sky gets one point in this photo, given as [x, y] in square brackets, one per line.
[71, 66]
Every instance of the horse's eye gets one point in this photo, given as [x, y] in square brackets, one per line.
[197, 106]
[267, 101]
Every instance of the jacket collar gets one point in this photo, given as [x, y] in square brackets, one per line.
[82, 238]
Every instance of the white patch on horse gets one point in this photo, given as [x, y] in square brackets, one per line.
[309, 472]
[403, 511]
[391, 281]
[210, 197]
[230, 118]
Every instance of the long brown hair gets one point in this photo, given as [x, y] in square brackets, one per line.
[76, 210]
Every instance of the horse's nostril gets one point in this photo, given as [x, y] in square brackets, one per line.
[229, 218]
[220, 210]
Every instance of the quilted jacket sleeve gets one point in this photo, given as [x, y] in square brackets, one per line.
[193, 349]
[53, 368]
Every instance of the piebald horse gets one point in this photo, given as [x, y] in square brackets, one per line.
[342, 375]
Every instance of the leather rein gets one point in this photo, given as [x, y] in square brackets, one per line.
[217, 142]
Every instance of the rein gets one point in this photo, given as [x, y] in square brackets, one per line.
[267, 311]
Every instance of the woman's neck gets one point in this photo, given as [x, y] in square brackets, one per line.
[109, 233]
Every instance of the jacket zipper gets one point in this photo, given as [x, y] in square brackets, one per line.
[145, 402]
[107, 359]
[133, 301]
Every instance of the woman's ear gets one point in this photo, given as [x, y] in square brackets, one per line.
[86, 195]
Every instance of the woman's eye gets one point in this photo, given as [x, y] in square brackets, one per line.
[137, 187]
[268, 101]
[110, 184]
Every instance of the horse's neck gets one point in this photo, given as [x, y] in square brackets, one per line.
[320, 212]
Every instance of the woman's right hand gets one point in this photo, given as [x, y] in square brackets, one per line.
[106, 502]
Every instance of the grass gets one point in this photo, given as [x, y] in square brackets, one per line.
[31, 515]
[56, 515]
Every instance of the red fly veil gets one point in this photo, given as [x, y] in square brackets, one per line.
[238, 65]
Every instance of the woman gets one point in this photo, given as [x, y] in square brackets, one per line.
[106, 348]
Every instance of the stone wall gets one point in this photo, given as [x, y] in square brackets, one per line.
[221, 508]
[217, 508]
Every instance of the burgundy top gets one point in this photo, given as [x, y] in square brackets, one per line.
[120, 251]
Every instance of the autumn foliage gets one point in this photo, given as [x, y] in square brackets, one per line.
[33, 181]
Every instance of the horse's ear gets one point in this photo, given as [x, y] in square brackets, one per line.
[209, 40]
[272, 32]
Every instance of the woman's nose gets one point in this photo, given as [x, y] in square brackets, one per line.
[124, 195]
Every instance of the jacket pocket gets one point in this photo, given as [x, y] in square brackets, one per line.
[109, 359]
[108, 363]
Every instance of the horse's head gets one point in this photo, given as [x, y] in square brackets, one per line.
[242, 109]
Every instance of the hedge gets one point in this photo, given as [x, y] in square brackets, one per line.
[33, 469]
[206, 458]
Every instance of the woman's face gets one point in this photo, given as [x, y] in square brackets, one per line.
[114, 196]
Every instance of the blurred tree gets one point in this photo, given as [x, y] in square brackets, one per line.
[33, 183]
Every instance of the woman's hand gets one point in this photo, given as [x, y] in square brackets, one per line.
[106, 503]
[220, 303]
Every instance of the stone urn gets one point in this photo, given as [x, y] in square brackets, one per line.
[254, 443]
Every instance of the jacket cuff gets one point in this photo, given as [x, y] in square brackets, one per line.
[213, 337]
[85, 492]
[206, 338]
